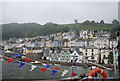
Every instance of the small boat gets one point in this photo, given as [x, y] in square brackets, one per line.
[32, 62]
[2, 59]
[92, 67]
[36, 62]
[57, 64]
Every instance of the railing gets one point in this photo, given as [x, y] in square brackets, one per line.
[100, 79]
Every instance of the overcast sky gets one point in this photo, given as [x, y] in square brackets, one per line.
[58, 12]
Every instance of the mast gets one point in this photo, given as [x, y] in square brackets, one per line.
[114, 60]
[118, 47]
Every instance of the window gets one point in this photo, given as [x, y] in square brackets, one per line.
[86, 50]
[104, 40]
[86, 57]
[92, 54]
[108, 56]
[92, 57]
[104, 57]
[75, 54]
[85, 53]
[105, 44]
[92, 50]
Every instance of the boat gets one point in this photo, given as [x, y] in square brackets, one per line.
[92, 67]
[36, 62]
[57, 64]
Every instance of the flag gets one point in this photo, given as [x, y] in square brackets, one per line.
[64, 72]
[47, 66]
[73, 74]
[28, 59]
[54, 71]
[21, 64]
[17, 55]
[56, 68]
[10, 60]
[44, 69]
[33, 67]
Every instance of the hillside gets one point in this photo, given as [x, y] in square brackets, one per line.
[33, 29]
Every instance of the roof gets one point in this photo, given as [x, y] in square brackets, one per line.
[90, 47]
[113, 39]
[79, 52]
[102, 38]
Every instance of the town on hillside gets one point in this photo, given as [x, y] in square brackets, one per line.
[88, 45]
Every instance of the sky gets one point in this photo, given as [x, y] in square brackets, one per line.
[58, 12]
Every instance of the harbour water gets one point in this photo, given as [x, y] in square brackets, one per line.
[11, 71]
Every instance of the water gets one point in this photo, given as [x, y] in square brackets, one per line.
[11, 71]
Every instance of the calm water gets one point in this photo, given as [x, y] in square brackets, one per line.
[11, 71]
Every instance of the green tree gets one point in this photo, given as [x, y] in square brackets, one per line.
[87, 22]
[92, 22]
[101, 22]
[115, 22]
[76, 21]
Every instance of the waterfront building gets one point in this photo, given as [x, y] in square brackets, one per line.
[54, 55]
[46, 55]
[90, 53]
[31, 50]
[76, 56]
[64, 56]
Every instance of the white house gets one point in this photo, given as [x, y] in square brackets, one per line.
[76, 56]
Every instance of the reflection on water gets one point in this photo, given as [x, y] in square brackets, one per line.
[11, 71]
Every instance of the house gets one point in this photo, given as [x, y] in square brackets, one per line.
[104, 33]
[54, 55]
[69, 35]
[46, 55]
[31, 50]
[66, 36]
[87, 34]
[90, 53]
[35, 56]
[58, 43]
[76, 56]
[100, 42]
[58, 37]
[105, 55]
[34, 53]
[64, 56]
[83, 34]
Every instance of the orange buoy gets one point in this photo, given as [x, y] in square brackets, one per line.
[98, 70]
